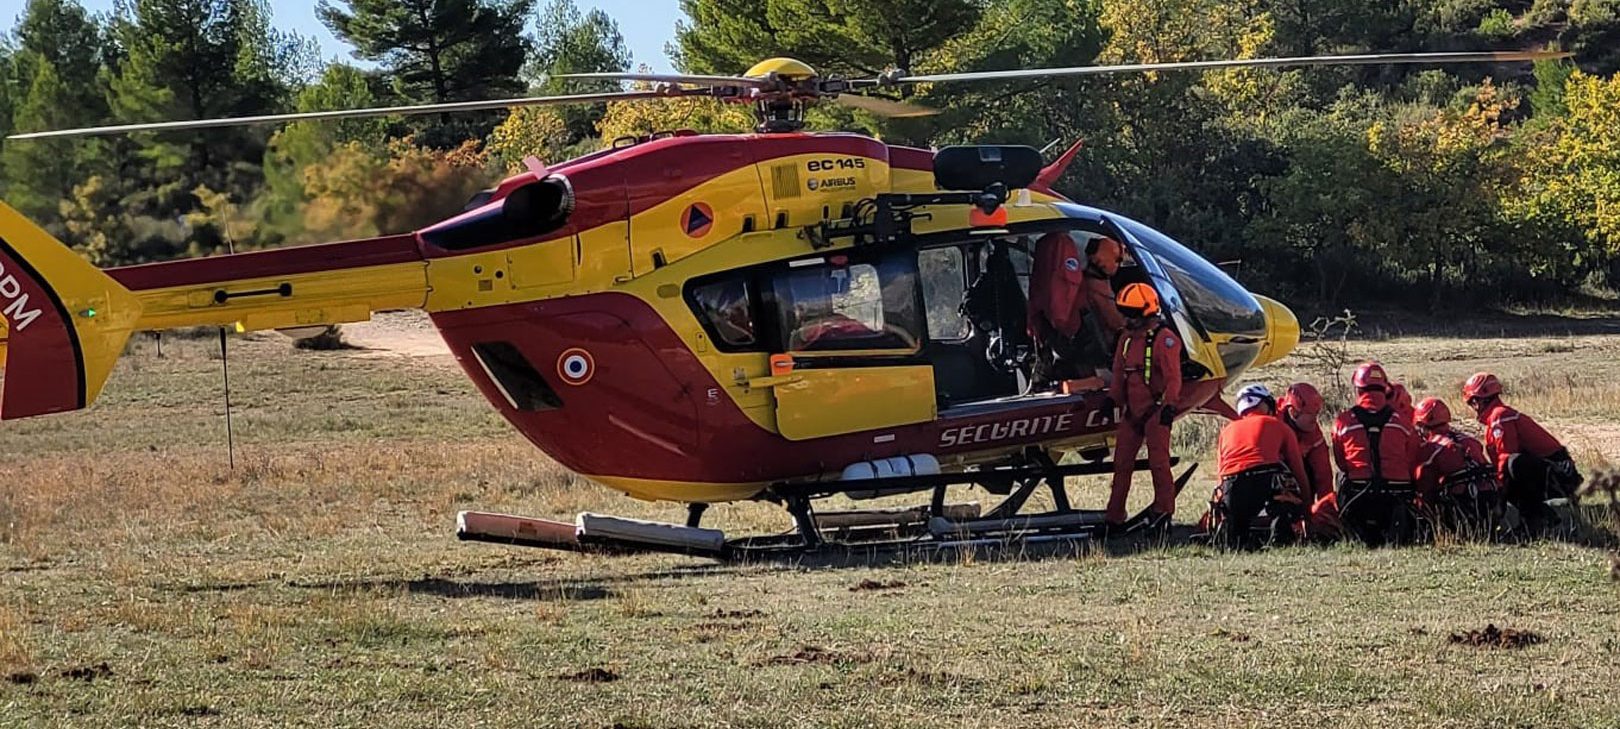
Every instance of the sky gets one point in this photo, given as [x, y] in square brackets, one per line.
[646, 24]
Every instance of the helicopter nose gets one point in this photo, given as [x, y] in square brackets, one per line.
[1282, 331]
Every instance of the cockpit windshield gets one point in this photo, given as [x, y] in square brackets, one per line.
[1221, 304]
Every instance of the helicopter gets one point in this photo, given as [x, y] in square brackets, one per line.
[701, 318]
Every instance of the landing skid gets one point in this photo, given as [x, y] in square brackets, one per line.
[938, 527]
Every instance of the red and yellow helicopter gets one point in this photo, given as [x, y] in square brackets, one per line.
[708, 318]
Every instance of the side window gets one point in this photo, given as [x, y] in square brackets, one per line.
[726, 310]
[944, 284]
[829, 307]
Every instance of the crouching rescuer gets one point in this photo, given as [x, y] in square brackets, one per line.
[1145, 387]
[1532, 465]
[1261, 468]
[1375, 447]
[1454, 477]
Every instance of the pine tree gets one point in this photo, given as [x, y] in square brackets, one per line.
[440, 51]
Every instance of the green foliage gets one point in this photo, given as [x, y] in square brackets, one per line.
[1573, 176]
[567, 41]
[1335, 186]
[439, 51]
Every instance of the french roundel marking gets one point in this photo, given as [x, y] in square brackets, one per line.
[575, 366]
[697, 220]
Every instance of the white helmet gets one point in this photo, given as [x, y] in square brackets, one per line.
[1253, 396]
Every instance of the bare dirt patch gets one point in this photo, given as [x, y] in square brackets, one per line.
[396, 334]
[595, 674]
[870, 585]
[88, 673]
[723, 614]
[812, 654]
[1494, 637]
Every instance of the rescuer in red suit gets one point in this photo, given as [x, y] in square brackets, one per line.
[1375, 450]
[1057, 307]
[1145, 387]
[1530, 463]
[1260, 467]
[1454, 475]
[1401, 400]
[1103, 259]
[1300, 409]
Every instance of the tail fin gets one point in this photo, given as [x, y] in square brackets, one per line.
[66, 322]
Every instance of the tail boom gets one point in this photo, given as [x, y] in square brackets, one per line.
[64, 323]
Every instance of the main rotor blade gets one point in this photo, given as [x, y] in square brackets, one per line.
[671, 78]
[1299, 61]
[353, 113]
[885, 107]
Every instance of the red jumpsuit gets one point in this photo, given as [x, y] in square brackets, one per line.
[1057, 303]
[1530, 463]
[1145, 380]
[1318, 483]
[1100, 300]
[1509, 432]
[1377, 476]
[1445, 454]
[1397, 446]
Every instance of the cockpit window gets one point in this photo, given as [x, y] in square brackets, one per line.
[726, 309]
[1215, 300]
[830, 306]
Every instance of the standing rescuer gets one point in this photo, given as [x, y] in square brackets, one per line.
[1453, 473]
[1146, 384]
[1375, 448]
[1530, 463]
[1260, 468]
[1300, 408]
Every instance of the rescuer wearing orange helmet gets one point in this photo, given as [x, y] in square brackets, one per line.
[1453, 473]
[1530, 463]
[1375, 448]
[1260, 467]
[1103, 259]
[1299, 409]
[1145, 387]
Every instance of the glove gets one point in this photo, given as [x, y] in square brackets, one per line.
[1167, 415]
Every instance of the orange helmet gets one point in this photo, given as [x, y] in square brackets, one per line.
[1432, 413]
[1139, 299]
[1482, 385]
[1302, 398]
[1370, 376]
[1105, 253]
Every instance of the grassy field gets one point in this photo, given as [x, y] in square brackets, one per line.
[143, 582]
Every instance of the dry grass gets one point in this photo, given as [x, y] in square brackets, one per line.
[318, 584]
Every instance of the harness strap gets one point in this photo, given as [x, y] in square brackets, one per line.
[1374, 422]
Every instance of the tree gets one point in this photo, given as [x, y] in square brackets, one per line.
[849, 37]
[55, 86]
[298, 146]
[61, 33]
[189, 59]
[1573, 173]
[567, 41]
[439, 51]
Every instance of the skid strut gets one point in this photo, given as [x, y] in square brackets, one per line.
[937, 526]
